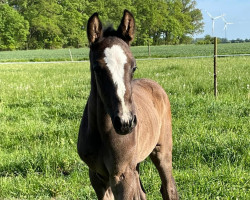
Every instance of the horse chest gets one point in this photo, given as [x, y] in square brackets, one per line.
[92, 155]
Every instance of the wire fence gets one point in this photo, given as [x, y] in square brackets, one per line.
[191, 51]
[149, 58]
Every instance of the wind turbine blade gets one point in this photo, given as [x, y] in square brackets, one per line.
[229, 23]
[224, 19]
[218, 17]
[209, 14]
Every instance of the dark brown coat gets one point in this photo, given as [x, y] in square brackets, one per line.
[112, 147]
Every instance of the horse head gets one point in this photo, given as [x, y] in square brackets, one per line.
[113, 66]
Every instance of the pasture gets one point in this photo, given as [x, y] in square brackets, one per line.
[41, 107]
[138, 51]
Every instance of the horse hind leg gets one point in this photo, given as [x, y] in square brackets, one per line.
[101, 186]
[162, 159]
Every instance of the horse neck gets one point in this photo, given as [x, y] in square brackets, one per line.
[93, 97]
[93, 90]
[96, 106]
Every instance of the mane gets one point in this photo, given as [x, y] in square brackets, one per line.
[109, 31]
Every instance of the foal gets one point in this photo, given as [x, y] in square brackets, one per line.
[124, 120]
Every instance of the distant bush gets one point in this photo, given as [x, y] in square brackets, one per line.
[208, 40]
[238, 40]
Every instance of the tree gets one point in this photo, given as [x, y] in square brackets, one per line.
[110, 11]
[171, 21]
[62, 23]
[195, 17]
[73, 21]
[43, 17]
[176, 22]
[184, 20]
[54, 23]
[151, 18]
[13, 28]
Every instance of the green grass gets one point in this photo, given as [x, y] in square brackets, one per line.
[190, 50]
[138, 51]
[44, 55]
[41, 107]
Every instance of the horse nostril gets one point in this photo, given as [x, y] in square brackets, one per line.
[134, 121]
[117, 122]
[124, 127]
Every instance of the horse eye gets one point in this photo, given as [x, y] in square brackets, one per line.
[134, 68]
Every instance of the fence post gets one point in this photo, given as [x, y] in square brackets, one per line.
[215, 67]
[70, 55]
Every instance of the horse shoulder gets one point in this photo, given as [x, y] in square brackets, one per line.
[88, 144]
[151, 92]
[154, 99]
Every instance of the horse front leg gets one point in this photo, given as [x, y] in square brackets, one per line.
[126, 186]
[101, 186]
[162, 159]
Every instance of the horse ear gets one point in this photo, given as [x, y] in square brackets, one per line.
[126, 29]
[94, 28]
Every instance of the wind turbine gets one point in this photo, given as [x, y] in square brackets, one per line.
[225, 26]
[213, 19]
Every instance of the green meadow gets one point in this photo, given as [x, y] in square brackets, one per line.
[163, 51]
[41, 107]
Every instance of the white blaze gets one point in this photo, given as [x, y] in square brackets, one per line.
[115, 59]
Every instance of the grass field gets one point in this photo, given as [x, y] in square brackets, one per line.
[138, 52]
[41, 106]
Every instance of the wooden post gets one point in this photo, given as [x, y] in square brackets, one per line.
[70, 55]
[215, 67]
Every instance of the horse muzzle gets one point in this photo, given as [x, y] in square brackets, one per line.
[124, 127]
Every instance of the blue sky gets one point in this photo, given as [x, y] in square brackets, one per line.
[236, 11]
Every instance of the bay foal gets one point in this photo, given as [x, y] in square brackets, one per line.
[124, 120]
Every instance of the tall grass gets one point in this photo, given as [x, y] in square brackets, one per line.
[41, 106]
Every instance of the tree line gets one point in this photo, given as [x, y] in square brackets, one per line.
[38, 24]
[208, 39]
